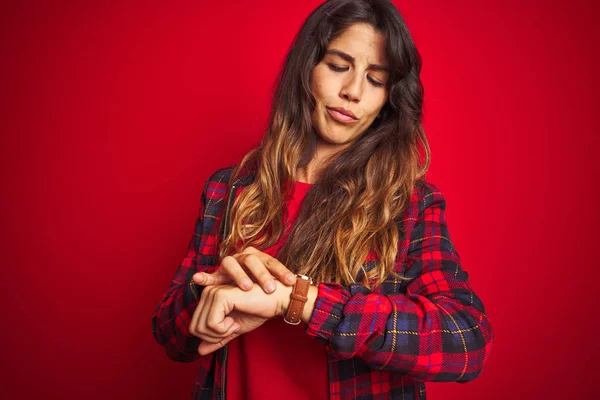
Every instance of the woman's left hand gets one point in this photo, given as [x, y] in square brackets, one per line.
[246, 322]
[225, 312]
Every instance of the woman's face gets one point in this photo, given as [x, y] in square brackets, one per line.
[351, 78]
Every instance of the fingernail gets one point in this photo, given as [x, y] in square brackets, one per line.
[246, 283]
[270, 286]
[290, 278]
[199, 277]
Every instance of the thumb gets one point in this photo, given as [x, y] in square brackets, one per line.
[216, 278]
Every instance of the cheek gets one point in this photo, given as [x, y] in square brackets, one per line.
[317, 91]
[377, 105]
[320, 85]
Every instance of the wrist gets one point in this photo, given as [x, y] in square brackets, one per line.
[283, 293]
[313, 292]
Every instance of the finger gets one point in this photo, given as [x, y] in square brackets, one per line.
[258, 270]
[275, 267]
[218, 320]
[207, 348]
[217, 324]
[278, 270]
[200, 323]
[235, 327]
[232, 268]
[198, 326]
[193, 327]
[214, 320]
[216, 278]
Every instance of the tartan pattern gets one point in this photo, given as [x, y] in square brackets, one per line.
[381, 344]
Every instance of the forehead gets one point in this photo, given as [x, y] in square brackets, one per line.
[362, 42]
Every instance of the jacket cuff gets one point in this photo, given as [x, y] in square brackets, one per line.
[328, 311]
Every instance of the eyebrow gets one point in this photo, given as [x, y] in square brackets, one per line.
[350, 59]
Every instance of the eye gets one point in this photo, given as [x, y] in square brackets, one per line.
[375, 83]
[336, 68]
[342, 69]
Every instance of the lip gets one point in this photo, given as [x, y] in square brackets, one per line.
[342, 115]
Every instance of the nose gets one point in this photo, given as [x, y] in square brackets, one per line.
[352, 88]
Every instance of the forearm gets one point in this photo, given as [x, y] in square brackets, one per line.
[173, 314]
[443, 340]
[170, 322]
[447, 339]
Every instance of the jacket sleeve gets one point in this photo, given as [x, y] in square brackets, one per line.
[173, 314]
[437, 331]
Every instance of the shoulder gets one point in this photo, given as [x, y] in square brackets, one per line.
[425, 197]
[221, 175]
[216, 186]
[244, 175]
[426, 194]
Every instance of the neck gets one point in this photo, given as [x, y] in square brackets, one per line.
[325, 153]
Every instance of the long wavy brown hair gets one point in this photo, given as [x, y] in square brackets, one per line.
[355, 206]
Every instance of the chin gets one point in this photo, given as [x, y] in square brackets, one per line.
[335, 140]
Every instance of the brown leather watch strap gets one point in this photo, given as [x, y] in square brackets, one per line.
[297, 300]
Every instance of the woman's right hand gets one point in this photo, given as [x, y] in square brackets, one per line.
[263, 268]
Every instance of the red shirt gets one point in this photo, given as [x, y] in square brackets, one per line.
[278, 359]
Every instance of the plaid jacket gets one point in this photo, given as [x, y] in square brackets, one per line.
[382, 344]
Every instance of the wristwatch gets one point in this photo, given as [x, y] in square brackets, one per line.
[298, 299]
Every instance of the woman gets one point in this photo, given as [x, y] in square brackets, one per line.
[335, 194]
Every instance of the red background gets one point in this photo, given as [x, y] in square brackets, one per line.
[113, 115]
